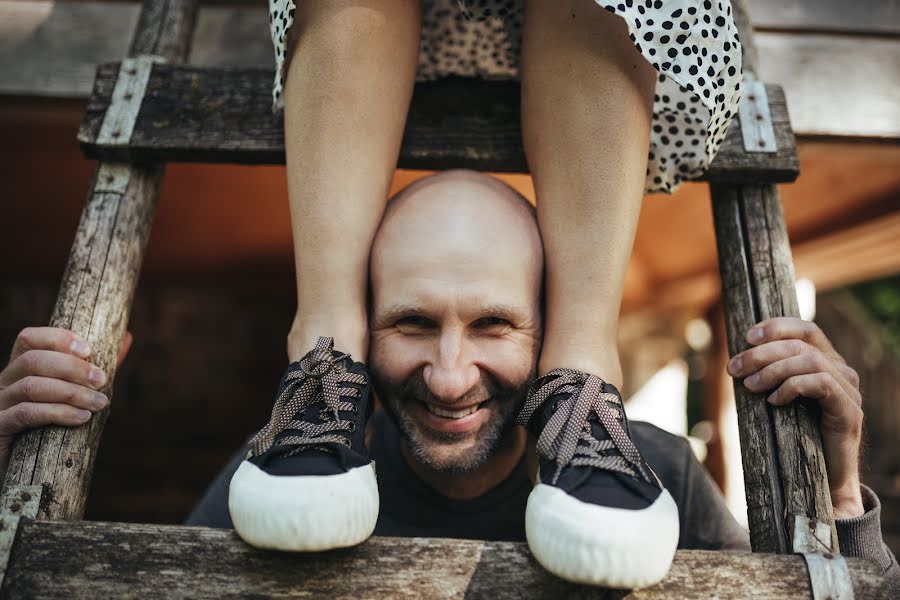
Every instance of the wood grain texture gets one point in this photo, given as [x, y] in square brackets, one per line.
[81, 559]
[224, 115]
[784, 469]
[804, 479]
[98, 286]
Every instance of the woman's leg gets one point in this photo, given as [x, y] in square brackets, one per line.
[347, 93]
[587, 98]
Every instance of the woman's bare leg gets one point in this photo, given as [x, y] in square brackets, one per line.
[346, 93]
[587, 98]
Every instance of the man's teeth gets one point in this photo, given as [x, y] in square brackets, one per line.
[451, 414]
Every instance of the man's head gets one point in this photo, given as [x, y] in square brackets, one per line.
[455, 323]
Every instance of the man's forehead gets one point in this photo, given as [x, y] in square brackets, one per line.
[462, 240]
[457, 219]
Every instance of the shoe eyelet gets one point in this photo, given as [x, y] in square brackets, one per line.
[352, 426]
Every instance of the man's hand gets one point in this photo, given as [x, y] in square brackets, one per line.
[49, 381]
[793, 358]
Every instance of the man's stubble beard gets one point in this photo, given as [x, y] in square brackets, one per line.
[397, 399]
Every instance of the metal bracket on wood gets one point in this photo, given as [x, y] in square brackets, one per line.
[755, 119]
[127, 96]
[18, 501]
[829, 576]
[811, 535]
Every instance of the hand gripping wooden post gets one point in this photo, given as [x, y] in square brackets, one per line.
[788, 499]
[100, 278]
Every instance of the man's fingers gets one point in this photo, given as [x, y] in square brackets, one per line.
[838, 412]
[48, 363]
[51, 391]
[49, 338]
[778, 371]
[29, 415]
[785, 328]
[759, 357]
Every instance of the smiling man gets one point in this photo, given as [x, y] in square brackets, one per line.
[456, 326]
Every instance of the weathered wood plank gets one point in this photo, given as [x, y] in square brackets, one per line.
[802, 462]
[224, 115]
[98, 286]
[784, 469]
[112, 560]
[758, 447]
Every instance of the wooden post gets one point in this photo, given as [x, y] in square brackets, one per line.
[98, 285]
[784, 467]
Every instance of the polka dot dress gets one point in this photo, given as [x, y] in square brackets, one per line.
[693, 45]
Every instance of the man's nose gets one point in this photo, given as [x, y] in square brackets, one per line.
[451, 372]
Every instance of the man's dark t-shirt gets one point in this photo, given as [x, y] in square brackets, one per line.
[411, 508]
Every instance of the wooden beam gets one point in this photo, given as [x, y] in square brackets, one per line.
[224, 115]
[111, 560]
[867, 251]
[784, 467]
[98, 286]
[868, 16]
[807, 64]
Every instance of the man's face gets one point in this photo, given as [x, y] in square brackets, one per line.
[455, 327]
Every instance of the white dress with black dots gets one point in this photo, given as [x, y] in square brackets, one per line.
[693, 44]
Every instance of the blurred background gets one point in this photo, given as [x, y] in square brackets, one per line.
[216, 295]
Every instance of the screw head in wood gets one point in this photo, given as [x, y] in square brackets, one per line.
[15, 507]
[26, 496]
[69, 462]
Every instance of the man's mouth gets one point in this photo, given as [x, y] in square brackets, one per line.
[451, 414]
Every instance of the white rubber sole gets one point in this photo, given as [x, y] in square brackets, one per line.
[599, 545]
[305, 513]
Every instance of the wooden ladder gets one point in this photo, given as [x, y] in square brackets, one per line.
[149, 110]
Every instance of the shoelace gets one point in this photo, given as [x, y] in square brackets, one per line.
[319, 379]
[567, 437]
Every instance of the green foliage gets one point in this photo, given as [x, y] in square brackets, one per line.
[882, 299]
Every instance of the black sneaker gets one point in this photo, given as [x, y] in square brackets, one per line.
[598, 514]
[308, 483]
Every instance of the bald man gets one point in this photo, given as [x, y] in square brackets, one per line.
[455, 327]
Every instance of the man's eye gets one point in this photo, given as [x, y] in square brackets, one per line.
[414, 322]
[492, 322]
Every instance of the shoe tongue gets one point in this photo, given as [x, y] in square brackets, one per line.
[546, 411]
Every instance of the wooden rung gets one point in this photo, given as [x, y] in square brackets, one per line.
[194, 114]
[112, 560]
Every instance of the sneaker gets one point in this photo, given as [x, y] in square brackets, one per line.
[598, 514]
[307, 483]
